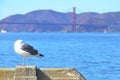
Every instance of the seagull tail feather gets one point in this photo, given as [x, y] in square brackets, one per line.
[40, 55]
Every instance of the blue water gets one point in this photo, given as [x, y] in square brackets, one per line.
[95, 55]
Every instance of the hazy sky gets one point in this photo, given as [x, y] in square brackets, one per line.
[11, 7]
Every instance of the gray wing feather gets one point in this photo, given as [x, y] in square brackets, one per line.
[29, 49]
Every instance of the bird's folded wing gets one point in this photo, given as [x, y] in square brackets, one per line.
[29, 49]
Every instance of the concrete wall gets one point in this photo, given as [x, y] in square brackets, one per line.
[33, 73]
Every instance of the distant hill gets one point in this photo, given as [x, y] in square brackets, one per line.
[52, 21]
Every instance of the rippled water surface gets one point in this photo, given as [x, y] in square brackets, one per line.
[95, 55]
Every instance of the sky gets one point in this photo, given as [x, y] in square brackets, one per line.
[12, 7]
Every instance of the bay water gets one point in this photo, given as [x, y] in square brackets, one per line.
[95, 55]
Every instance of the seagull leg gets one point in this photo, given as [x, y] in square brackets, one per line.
[23, 60]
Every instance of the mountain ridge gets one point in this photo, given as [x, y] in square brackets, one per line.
[90, 21]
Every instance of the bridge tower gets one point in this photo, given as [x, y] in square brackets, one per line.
[74, 20]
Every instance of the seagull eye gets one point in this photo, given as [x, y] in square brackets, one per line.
[21, 42]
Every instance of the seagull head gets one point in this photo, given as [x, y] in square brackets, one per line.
[17, 45]
[19, 41]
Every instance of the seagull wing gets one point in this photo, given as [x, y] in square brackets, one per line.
[28, 48]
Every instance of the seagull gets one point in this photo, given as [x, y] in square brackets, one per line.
[26, 50]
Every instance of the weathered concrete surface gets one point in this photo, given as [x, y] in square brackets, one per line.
[59, 74]
[6, 74]
[33, 73]
[25, 73]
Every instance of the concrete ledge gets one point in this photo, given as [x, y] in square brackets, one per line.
[25, 71]
[25, 78]
[6, 72]
[33, 73]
